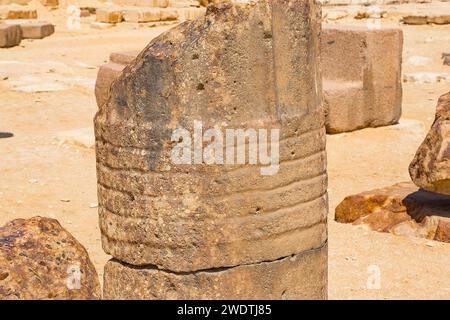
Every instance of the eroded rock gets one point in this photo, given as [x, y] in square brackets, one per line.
[41, 260]
[430, 168]
[400, 209]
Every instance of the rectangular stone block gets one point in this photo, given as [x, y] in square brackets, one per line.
[105, 77]
[10, 35]
[17, 12]
[361, 71]
[109, 15]
[137, 15]
[190, 13]
[34, 30]
[300, 276]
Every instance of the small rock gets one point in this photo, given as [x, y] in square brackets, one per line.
[33, 181]
[93, 205]
[65, 200]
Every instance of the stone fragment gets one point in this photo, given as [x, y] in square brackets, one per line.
[50, 3]
[34, 30]
[401, 209]
[430, 168]
[361, 71]
[83, 137]
[109, 15]
[186, 218]
[17, 12]
[293, 277]
[109, 72]
[41, 260]
[10, 35]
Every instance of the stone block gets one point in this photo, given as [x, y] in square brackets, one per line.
[300, 276]
[361, 70]
[188, 218]
[10, 35]
[109, 15]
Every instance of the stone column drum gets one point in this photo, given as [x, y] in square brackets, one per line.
[217, 231]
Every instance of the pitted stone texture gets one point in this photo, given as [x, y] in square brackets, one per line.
[10, 35]
[242, 66]
[300, 276]
[400, 209]
[430, 168]
[41, 260]
[109, 72]
[361, 76]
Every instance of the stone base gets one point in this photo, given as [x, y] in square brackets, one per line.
[401, 209]
[301, 276]
[10, 36]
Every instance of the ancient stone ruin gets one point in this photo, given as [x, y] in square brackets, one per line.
[421, 210]
[41, 260]
[361, 70]
[205, 231]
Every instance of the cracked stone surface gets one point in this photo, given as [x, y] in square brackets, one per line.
[293, 277]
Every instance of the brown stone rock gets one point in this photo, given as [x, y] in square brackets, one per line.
[446, 59]
[10, 35]
[430, 168]
[294, 277]
[361, 71]
[401, 209]
[41, 260]
[242, 66]
[109, 15]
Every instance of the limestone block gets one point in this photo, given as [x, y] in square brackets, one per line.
[109, 15]
[361, 70]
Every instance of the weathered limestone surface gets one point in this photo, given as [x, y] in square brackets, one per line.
[138, 15]
[143, 3]
[34, 29]
[39, 259]
[293, 277]
[10, 35]
[242, 66]
[400, 209]
[430, 168]
[361, 76]
[109, 72]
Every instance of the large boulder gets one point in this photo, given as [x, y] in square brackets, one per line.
[247, 66]
[41, 260]
[401, 209]
[430, 168]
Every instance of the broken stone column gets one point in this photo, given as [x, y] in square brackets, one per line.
[430, 168]
[361, 70]
[205, 231]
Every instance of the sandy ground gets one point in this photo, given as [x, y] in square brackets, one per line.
[42, 176]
